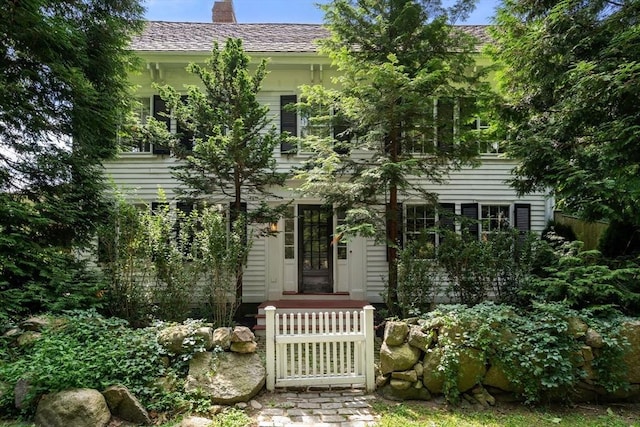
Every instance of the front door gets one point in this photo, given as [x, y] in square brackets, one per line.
[315, 253]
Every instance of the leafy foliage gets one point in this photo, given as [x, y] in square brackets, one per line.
[85, 350]
[500, 266]
[233, 138]
[536, 348]
[570, 106]
[63, 90]
[620, 240]
[167, 263]
[585, 280]
[408, 56]
[233, 141]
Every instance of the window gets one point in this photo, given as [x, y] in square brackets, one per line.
[424, 221]
[341, 244]
[439, 130]
[160, 113]
[325, 122]
[495, 218]
[143, 111]
[420, 219]
[289, 234]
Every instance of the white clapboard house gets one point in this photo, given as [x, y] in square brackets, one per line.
[280, 270]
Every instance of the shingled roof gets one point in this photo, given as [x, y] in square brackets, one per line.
[198, 37]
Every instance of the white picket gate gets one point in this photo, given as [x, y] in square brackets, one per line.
[320, 348]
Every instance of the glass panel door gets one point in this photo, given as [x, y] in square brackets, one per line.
[315, 256]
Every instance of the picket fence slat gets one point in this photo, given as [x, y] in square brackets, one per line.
[320, 348]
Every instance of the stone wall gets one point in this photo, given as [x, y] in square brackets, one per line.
[412, 351]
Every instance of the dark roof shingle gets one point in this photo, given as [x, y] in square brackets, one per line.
[199, 37]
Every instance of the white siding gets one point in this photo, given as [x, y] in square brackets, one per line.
[144, 173]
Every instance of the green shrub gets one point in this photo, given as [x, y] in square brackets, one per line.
[585, 280]
[620, 239]
[124, 255]
[85, 350]
[498, 266]
[168, 264]
[417, 278]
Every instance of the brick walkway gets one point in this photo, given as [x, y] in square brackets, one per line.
[344, 408]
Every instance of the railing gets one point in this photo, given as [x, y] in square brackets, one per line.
[320, 348]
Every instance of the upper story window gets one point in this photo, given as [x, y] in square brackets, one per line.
[156, 107]
[288, 123]
[440, 128]
[143, 111]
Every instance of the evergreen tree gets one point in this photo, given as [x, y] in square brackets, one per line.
[405, 91]
[571, 84]
[63, 91]
[232, 145]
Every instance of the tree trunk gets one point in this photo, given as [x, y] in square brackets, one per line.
[392, 231]
[234, 217]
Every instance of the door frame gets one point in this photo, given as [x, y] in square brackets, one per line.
[331, 252]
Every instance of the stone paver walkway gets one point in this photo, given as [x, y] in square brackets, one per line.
[344, 408]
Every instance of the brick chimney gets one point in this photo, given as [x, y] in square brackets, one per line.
[223, 12]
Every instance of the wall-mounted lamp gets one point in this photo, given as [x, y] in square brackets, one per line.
[273, 227]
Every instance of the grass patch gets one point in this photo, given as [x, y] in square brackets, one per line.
[418, 414]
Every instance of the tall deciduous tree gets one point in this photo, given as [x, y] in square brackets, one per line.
[63, 91]
[571, 85]
[405, 90]
[233, 140]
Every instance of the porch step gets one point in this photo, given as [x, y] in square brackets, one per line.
[289, 306]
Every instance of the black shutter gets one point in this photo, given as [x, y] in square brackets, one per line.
[159, 106]
[186, 138]
[471, 211]
[444, 123]
[288, 123]
[467, 113]
[522, 217]
[446, 214]
[341, 133]
[155, 206]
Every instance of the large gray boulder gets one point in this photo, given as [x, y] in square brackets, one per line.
[229, 378]
[395, 333]
[242, 334]
[432, 377]
[397, 358]
[419, 339]
[73, 408]
[470, 370]
[206, 334]
[497, 378]
[124, 405]
[172, 338]
[631, 331]
[222, 338]
[409, 393]
[195, 422]
[35, 323]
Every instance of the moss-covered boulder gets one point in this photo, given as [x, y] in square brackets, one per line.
[398, 358]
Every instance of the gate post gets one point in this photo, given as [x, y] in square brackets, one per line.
[270, 317]
[369, 333]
